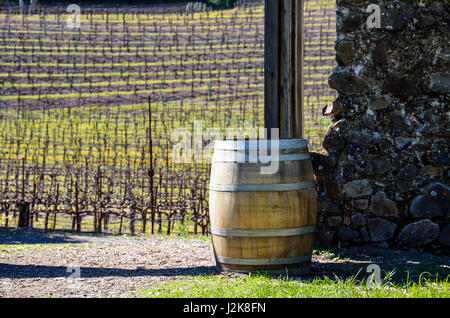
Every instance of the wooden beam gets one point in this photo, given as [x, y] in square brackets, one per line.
[284, 67]
[271, 64]
[298, 115]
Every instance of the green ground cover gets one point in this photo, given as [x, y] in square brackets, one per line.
[261, 286]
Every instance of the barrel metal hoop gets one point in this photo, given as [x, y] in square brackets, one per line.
[263, 233]
[260, 144]
[279, 272]
[263, 261]
[262, 187]
[264, 159]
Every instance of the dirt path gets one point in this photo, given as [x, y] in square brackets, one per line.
[120, 266]
[109, 266]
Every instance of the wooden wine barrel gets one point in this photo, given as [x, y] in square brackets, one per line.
[262, 222]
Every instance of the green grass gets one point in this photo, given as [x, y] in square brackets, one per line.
[17, 248]
[266, 287]
[64, 225]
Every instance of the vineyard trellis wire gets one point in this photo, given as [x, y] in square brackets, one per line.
[75, 123]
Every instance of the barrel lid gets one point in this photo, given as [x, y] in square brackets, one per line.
[254, 144]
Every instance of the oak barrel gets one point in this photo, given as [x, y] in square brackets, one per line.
[262, 222]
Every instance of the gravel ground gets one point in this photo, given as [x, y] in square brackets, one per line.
[109, 266]
[119, 266]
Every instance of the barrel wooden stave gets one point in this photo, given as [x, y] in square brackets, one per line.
[262, 210]
[248, 173]
[264, 247]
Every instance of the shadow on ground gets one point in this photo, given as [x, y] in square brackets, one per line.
[37, 236]
[402, 263]
[343, 270]
[327, 261]
[39, 271]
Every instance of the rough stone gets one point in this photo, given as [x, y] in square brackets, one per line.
[443, 158]
[408, 173]
[364, 234]
[444, 238]
[358, 220]
[334, 221]
[438, 8]
[350, 151]
[347, 168]
[404, 185]
[360, 138]
[331, 188]
[419, 233]
[346, 220]
[395, 121]
[345, 51]
[325, 235]
[331, 207]
[380, 229]
[345, 233]
[322, 165]
[440, 82]
[381, 205]
[400, 86]
[402, 142]
[427, 22]
[383, 245]
[351, 23]
[377, 165]
[379, 102]
[360, 204]
[434, 204]
[395, 15]
[357, 188]
[406, 176]
[344, 80]
[379, 54]
[334, 141]
[439, 191]
[425, 206]
[433, 171]
[332, 109]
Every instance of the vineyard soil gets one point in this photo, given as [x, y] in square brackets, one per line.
[89, 116]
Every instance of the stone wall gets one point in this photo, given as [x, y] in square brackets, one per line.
[385, 178]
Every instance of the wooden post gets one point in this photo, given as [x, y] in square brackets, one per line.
[284, 67]
[24, 214]
[271, 64]
[151, 171]
[298, 131]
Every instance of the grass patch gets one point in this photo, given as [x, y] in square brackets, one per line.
[176, 235]
[265, 287]
[17, 248]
